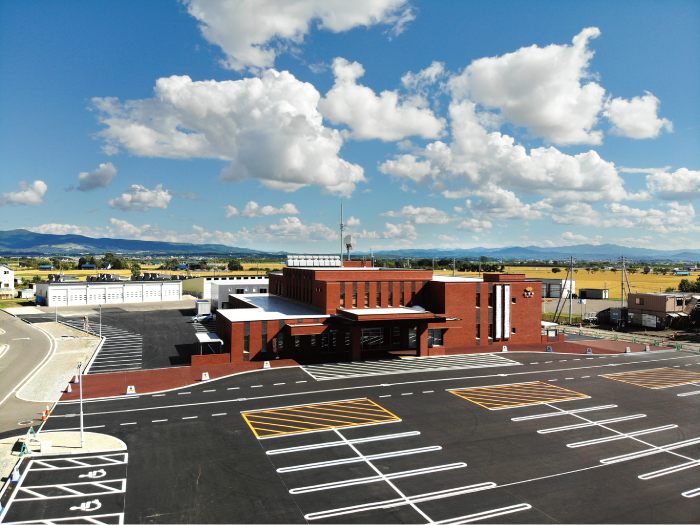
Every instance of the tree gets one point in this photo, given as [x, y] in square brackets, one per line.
[556, 270]
[135, 269]
[670, 289]
[686, 285]
[81, 262]
[483, 259]
[235, 266]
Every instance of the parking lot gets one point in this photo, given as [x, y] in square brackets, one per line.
[541, 438]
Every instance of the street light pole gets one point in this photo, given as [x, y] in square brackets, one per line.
[80, 377]
[101, 314]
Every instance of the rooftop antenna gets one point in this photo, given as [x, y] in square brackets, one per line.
[342, 228]
[349, 244]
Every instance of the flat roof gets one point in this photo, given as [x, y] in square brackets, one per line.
[102, 283]
[208, 338]
[457, 278]
[268, 307]
[401, 310]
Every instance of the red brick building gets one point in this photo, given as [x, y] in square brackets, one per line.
[345, 313]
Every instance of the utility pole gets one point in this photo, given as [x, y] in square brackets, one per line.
[454, 266]
[570, 284]
[82, 432]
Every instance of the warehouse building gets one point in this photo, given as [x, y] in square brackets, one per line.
[72, 293]
[663, 310]
[337, 313]
[217, 289]
[555, 288]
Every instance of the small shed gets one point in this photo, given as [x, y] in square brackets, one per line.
[26, 294]
[594, 293]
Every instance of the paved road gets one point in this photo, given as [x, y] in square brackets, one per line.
[546, 438]
[28, 347]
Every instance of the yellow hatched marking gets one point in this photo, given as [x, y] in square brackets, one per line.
[319, 416]
[660, 378]
[510, 396]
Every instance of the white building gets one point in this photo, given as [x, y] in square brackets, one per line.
[556, 287]
[217, 289]
[106, 292]
[7, 282]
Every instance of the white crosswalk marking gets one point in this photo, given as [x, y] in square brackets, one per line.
[405, 366]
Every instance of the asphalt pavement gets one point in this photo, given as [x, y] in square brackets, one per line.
[28, 348]
[540, 438]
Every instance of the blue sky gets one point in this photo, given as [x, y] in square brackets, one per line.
[439, 124]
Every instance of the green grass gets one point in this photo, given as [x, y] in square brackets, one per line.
[15, 303]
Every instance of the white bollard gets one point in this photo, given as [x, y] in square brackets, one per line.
[130, 390]
[14, 477]
[205, 376]
[627, 350]
[504, 349]
[589, 350]
[266, 364]
[646, 348]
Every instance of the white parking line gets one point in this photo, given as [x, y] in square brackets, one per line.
[420, 498]
[563, 412]
[590, 424]
[656, 450]
[691, 493]
[486, 514]
[374, 479]
[620, 436]
[330, 444]
[669, 470]
[344, 461]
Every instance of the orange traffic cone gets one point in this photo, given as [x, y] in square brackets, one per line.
[43, 415]
[48, 410]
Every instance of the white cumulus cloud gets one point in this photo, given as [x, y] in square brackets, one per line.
[636, 118]
[683, 184]
[288, 230]
[474, 225]
[101, 177]
[546, 90]
[352, 221]
[421, 215]
[677, 219]
[253, 32]
[253, 209]
[370, 116]
[268, 127]
[405, 231]
[140, 198]
[29, 194]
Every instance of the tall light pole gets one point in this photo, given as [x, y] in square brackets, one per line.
[80, 377]
[101, 312]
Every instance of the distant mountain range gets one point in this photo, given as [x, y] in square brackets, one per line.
[25, 242]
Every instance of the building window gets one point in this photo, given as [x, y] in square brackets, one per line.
[263, 290]
[297, 343]
[396, 337]
[313, 340]
[280, 342]
[391, 295]
[490, 330]
[246, 343]
[434, 337]
[366, 295]
[490, 298]
[354, 300]
[372, 338]
[379, 295]
[342, 295]
[240, 290]
[639, 300]
[512, 330]
[478, 300]
[478, 331]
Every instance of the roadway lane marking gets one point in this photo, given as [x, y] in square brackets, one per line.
[330, 444]
[183, 393]
[190, 417]
[563, 412]
[302, 381]
[325, 391]
[255, 386]
[657, 378]
[122, 424]
[209, 390]
[386, 395]
[103, 488]
[590, 424]
[584, 377]
[76, 428]
[22, 338]
[428, 391]
[158, 420]
[220, 414]
[516, 395]
[620, 436]
[277, 384]
[158, 395]
[694, 392]
[314, 417]
[407, 394]
[233, 388]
